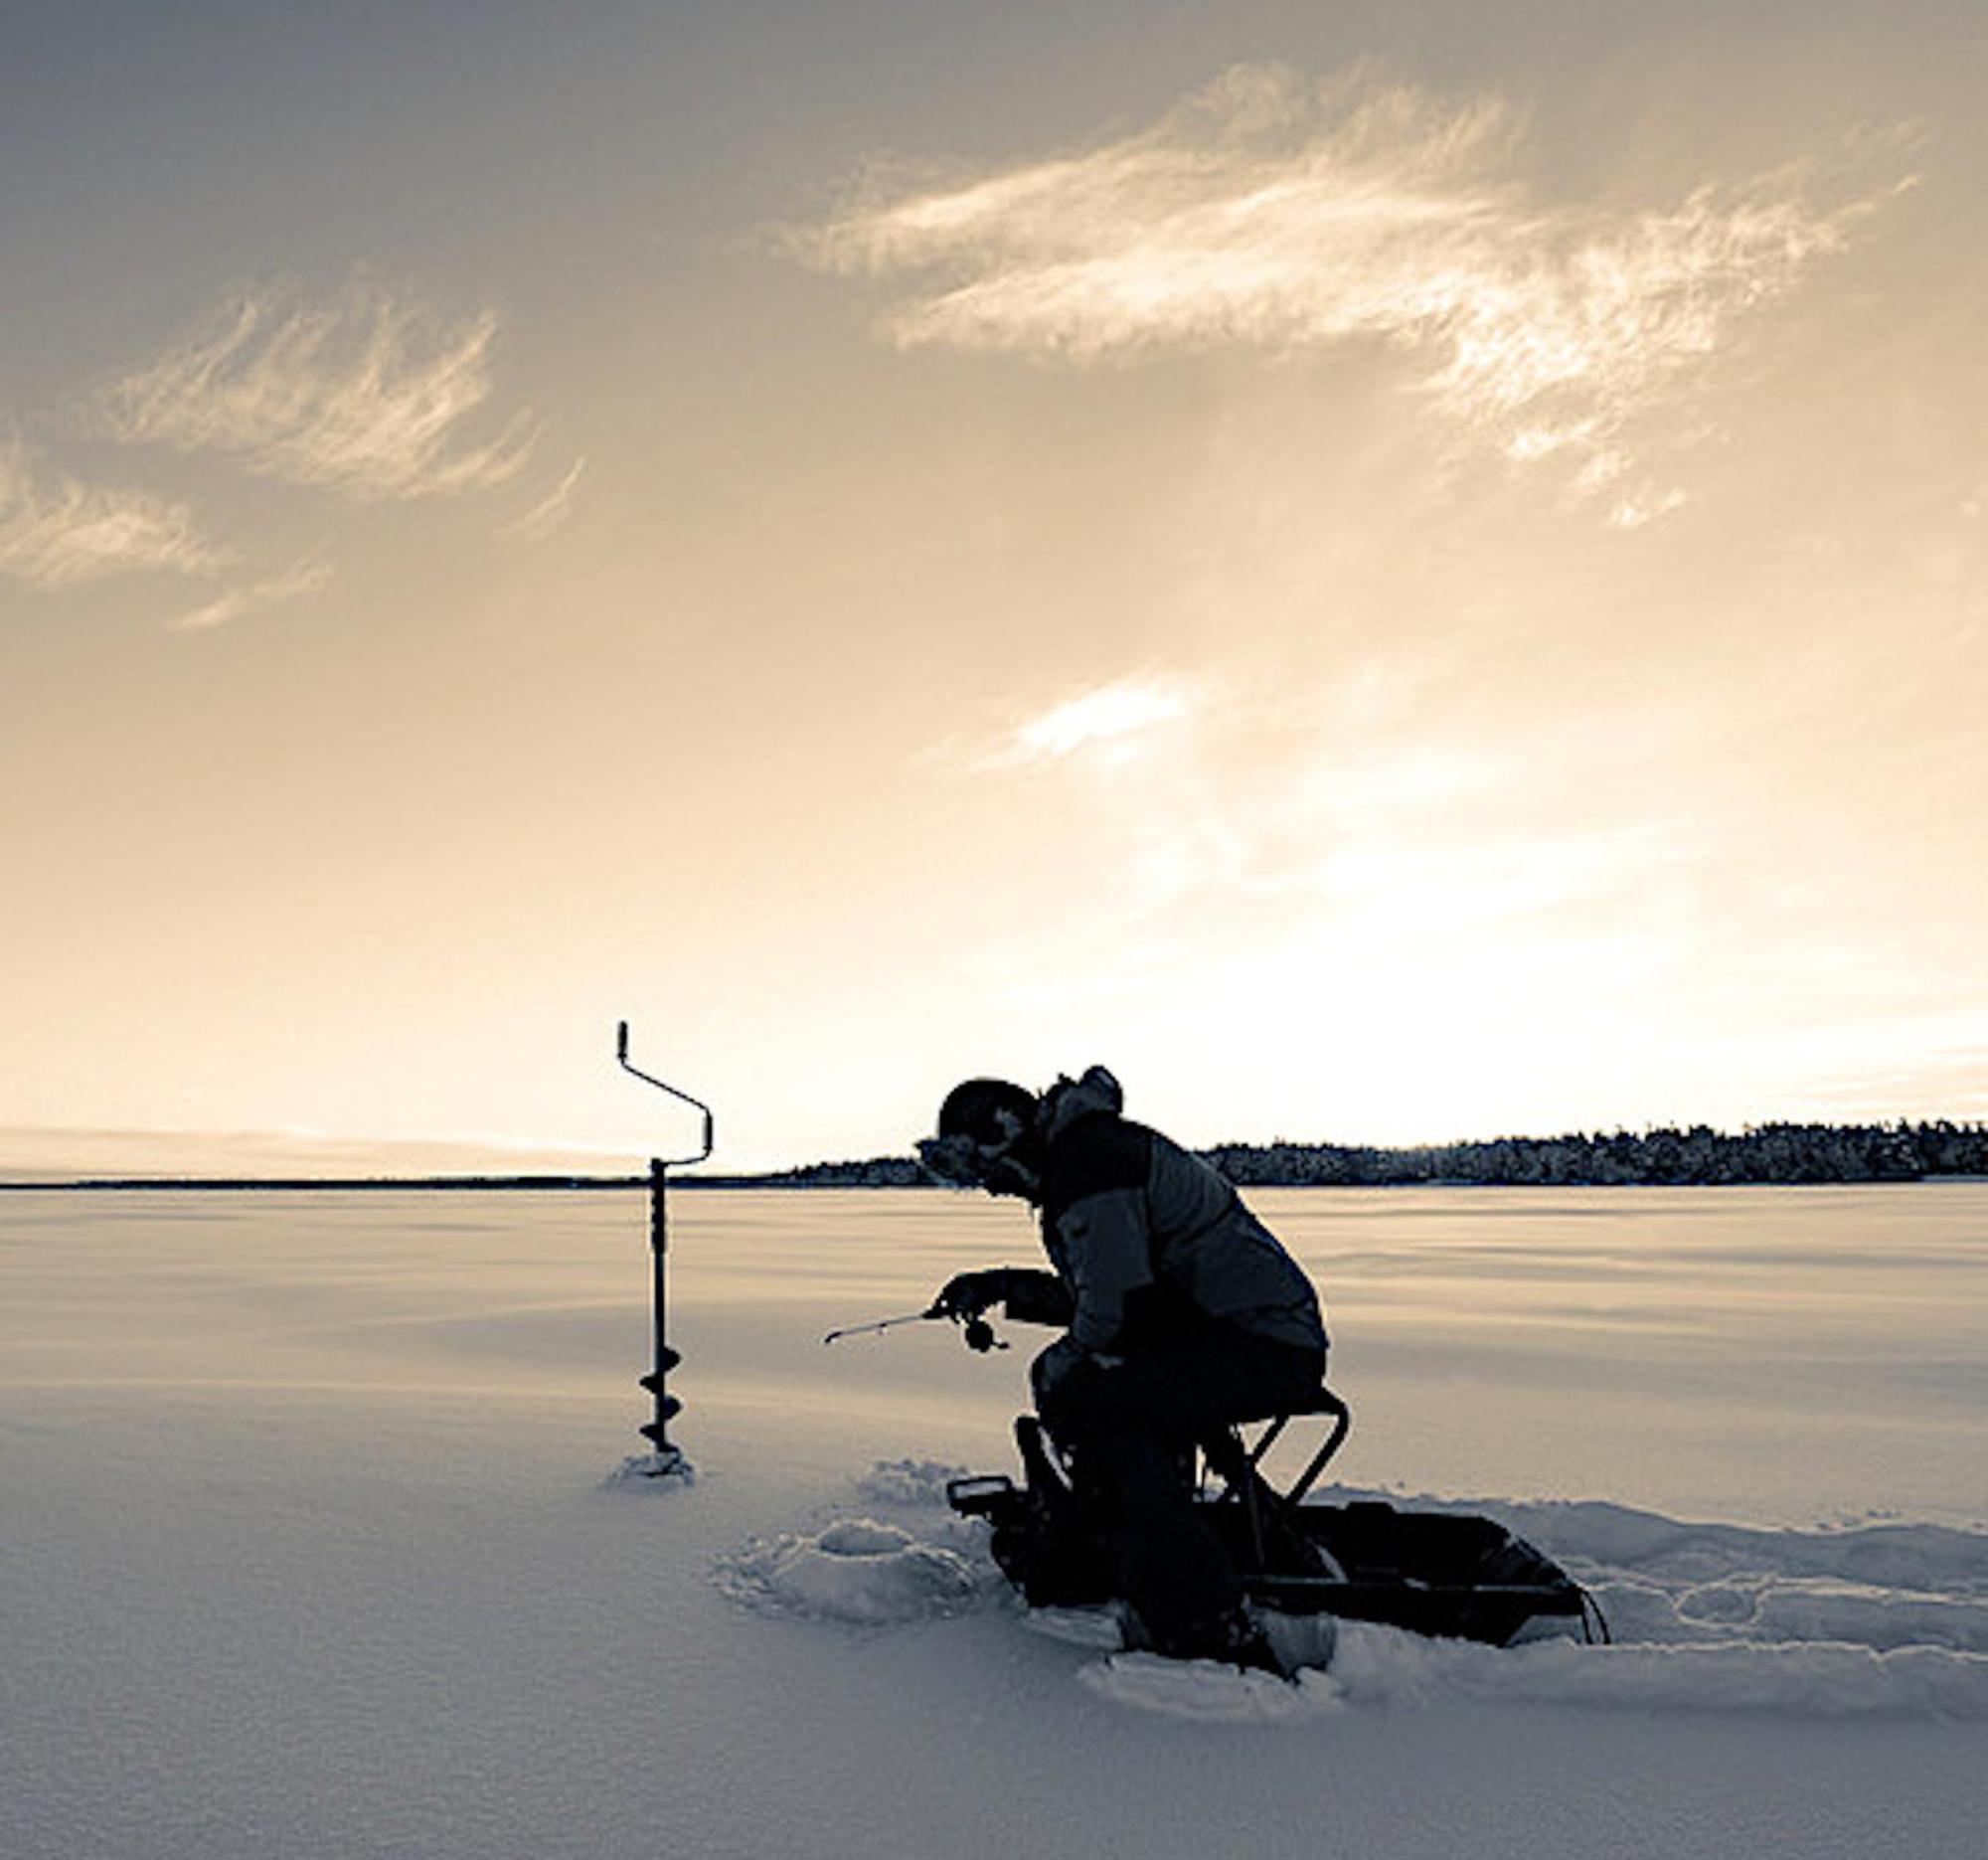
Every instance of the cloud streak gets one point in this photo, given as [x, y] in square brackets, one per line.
[56, 530]
[550, 511]
[1108, 721]
[1269, 212]
[308, 577]
[368, 394]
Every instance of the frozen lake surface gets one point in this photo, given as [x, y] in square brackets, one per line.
[307, 1550]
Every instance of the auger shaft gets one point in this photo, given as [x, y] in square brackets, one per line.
[669, 1458]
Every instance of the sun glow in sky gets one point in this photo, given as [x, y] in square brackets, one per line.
[1391, 572]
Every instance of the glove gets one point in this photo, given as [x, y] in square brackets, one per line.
[967, 1294]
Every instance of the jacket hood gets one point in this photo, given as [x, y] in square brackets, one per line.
[1071, 1098]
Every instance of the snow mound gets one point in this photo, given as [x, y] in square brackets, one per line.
[1208, 1692]
[1886, 1619]
[1771, 1607]
[1887, 1588]
[907, 1482]
[1385, 1668]
[1883, 1619]
[1382, 1667]
[855, 1570]
[1678, 1553]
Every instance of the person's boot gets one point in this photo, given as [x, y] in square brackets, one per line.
[1297, 1640]
[1231, 1639]
[1251, 1649]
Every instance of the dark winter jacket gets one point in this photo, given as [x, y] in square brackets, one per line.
[1148, 1241]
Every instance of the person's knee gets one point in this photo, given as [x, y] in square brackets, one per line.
[1297, 1378]
[1050, 1373]
[1069, 1387]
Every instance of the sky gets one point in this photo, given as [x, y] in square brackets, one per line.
[1391, 573]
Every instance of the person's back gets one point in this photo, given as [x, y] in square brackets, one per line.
[1205, 1255]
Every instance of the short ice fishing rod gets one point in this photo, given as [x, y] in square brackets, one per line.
[883, 1324]
[978, 1332]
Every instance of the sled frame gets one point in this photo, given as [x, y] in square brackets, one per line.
[1238, 1463]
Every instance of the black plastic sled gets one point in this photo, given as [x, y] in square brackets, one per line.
[1433, 1573]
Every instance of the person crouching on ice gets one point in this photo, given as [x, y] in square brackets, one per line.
[1182, 1314]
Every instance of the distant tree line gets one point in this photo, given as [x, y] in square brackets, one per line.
[873, 1172]
[1767, 1152]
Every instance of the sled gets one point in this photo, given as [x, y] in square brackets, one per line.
[1433, 1572]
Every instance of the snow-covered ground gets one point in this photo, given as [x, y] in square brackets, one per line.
[309, 1544]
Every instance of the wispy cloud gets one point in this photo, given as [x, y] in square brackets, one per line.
[368, 393]
[1274, 212]
[308, 577]
[1632, 513]
[1109, 720]
[552, 510]
[55, 530]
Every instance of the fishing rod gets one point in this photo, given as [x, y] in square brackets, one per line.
[977, 1331]
[883, 1324]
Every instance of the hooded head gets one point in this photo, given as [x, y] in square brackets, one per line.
[988, 1138]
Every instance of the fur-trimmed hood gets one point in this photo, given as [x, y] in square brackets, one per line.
[1071, 1098]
